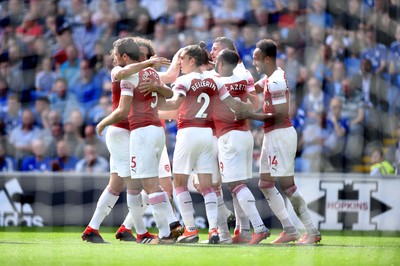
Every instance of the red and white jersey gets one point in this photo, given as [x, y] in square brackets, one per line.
[115, 96]
[224, 117]
[144, 110]
[276, 91]
[200, 91]
[241, 70]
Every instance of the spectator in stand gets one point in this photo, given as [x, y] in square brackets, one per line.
[64, 39]
[72, 136]
[50, 30]
[63, 162]
[155, 7]
[257, 14]
[14, 13]
[40, 110]
[247, 45]
[334, 87]
[90, 137]
[379, 166]
[174, 16]
[198, 18]
[394, 71]
[62, 100]
[322, 64]
[312, 142]
[7, 163]
[104, 14]
[70, 68]
[353, 109]
[12, 113]
[45, 79]
[86, 35]
[337, 128]
[22, 136]
[315, 100]
[88, 87]
[101, 110]
[296, 73]
[228, 14]
[3, 94]
[393, 152]
[134, 17]
[39, 161]
[373, 89]
[318, 16]
[92, 162]
[52, 131]
[351, 19]
[29, 30]
[376, 53]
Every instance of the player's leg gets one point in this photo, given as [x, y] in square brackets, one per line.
[165, 180]
[183, 164]
[312, 234]
[273, 162]
[104, 206]
[236, 158]
[148, 143]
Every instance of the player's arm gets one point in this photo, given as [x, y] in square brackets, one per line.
[174, 103]
[117, 115]
[258, 87]
[253, 97]
[237, 105]
[279, 115]
[173, 70]
[162, 89]
[131, 69]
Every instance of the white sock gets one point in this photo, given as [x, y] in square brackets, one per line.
[104, 206]
[221, 204]
[276, 203]
[145, 200]
[210, 201]
[223, 229]
[300, 208]
[135, 205]
[186, 209]
[161, 209]
[128, 222]
[171, 215]
[248, 205]
[242, 221]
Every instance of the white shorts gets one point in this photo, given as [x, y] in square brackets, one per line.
[117, 140]
[278, 152]
[193, 150]
[146, 146]
[215, 174]
[235, 155]
[164, 168]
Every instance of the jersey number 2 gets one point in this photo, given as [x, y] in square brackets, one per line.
[202, 112]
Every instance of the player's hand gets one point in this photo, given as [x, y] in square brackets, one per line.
[148, 87]
[160, 61]
[100, 128]
[242, 115]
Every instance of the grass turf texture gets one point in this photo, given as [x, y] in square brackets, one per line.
[63, 246]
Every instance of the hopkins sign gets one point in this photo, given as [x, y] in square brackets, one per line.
[354, 202]
[336, 201]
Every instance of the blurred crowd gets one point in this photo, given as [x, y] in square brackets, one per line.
[342, 61]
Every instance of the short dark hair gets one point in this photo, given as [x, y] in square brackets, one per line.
[147, 43]
[127, 46]
[198, 52]
[268, 47]
[229, 57]
[226, 43]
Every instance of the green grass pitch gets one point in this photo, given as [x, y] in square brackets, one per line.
[63, 246]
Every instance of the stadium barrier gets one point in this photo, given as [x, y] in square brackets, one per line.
[336, 201]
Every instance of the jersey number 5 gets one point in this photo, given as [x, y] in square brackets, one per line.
[154, 104]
